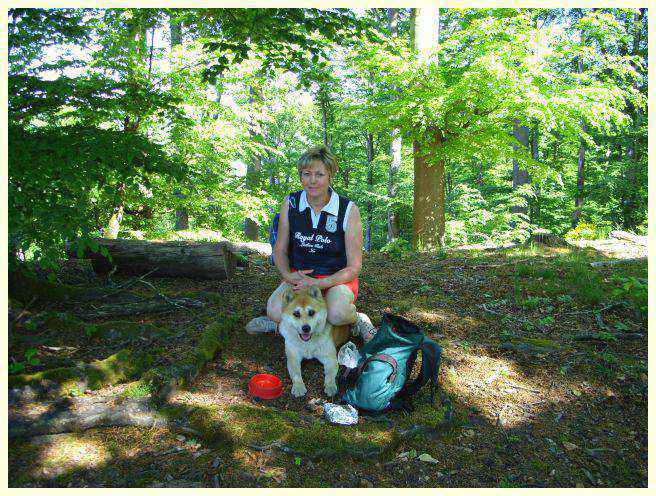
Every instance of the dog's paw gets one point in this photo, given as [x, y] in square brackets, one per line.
[298, 390]
[330, 389]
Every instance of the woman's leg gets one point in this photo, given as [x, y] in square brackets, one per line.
[263, 325]
[341, 310]
[274, 303]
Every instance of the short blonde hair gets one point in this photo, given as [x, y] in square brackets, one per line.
[321, 153]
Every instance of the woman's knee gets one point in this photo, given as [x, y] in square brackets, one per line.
[341, 309]
[274, 303]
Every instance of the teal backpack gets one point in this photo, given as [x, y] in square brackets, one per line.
[381, 381]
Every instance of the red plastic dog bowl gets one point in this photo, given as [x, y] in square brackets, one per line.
[265, 386]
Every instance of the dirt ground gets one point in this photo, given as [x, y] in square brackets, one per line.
[544, 365]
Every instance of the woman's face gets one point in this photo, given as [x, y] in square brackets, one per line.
[315, 179]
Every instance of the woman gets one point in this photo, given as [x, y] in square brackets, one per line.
[319, 243]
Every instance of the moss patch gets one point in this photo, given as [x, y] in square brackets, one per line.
[116, 368]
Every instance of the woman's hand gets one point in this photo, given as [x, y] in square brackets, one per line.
[300, 280]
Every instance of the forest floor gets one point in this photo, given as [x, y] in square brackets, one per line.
[544, 363]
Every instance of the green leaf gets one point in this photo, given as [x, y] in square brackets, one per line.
[16, 368]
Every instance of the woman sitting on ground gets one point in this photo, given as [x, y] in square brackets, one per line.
[319, 243]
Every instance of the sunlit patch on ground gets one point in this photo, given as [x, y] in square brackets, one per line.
[61, 454]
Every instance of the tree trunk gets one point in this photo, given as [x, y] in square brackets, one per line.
[130, 122]
[535, 154]
[114, 224]
[630, 199]
[323, 104]
[181, 214]
[580, 173]
[395, 151]
[253, 170]
[201, 260]
[345, 170]
[520, 176]
[428, 203]
[370, 186]
[580, 183]
[479, 176]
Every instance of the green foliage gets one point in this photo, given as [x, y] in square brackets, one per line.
[633, 290]
[29, 357]
[397, 249]
[106, 111]
[60, 180]
[585, 230]
[138, 389]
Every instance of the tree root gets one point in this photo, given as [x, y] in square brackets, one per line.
[80, 414]
[165, 380]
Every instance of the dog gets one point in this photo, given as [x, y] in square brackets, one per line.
[308, 335]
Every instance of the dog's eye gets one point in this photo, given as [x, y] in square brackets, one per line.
[297, 314]
[310, 312]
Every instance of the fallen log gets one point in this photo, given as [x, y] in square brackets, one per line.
[627, 236]
[622, 261]
[116, 368]
[202, 260]
[629, 336]
[249, 248]
[151, 306]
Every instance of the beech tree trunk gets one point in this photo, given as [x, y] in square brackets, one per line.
[253, 170]
[181, 214]
[428, 203]
[535, 154]
[520, 176]
[131, 122]
[323, 104]
[114, 224]
[395, 151]
[203, 260]
[370, 186]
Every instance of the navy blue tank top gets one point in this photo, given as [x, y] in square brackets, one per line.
[323, 248]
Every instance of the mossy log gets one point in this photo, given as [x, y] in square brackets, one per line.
[80, 414]
[202, 260]
[151, 306]
[27, 290]
[120, 367]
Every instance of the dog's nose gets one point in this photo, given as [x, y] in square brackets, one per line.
[306, 328]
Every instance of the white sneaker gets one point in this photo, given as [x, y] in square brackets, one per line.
[363, 327]
[261, 325]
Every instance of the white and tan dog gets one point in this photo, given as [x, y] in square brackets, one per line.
[309, 335]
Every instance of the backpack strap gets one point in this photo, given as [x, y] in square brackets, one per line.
[430, 363]
[348, 378]
[381, 357]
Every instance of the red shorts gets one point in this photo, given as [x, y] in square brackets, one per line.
[352, 285]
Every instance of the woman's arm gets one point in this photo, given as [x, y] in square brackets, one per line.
[353, 241]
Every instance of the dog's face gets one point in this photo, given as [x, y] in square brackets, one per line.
[304, 311]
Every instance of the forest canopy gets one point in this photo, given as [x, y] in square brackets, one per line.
[452, 126]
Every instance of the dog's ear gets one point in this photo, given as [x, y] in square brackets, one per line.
[287, 296]
[314, 292]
